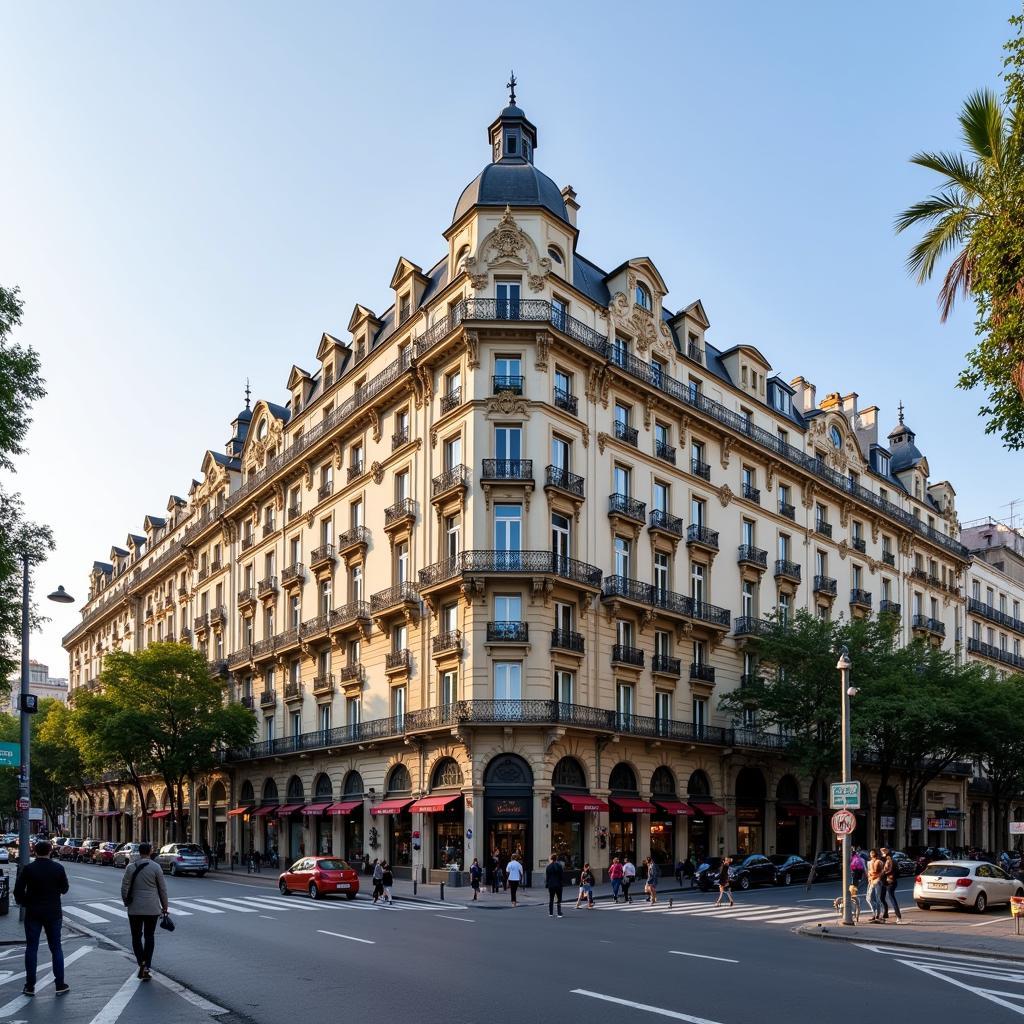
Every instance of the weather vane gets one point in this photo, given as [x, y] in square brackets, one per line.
[248, 392]
[900, 407]
[511, 86]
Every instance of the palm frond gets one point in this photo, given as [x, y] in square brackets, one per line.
[959, 171]
[939, 205]
[957, 283]
[983, 126]
[949, 232]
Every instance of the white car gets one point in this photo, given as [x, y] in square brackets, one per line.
[5, 857]
[973, 884]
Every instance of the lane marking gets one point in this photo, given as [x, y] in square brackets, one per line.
[994, 920]
[109, 909]
[224, 905]
[266, 918]
[449, 918]
[704, 956]
[281, 904]
[121, 998]
[646, 1007]
[351, 938]
[85, 915]
[198, 906]
[21, 1001]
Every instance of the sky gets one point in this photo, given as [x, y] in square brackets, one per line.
[193, 193]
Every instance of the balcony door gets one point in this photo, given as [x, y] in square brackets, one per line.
[561, 540]
[508, 299]
[624, 704]
[560, 454]
[508, 535]
[508, 443]
[565, 687]
[453, 452]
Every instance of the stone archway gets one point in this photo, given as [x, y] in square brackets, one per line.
[508, 810]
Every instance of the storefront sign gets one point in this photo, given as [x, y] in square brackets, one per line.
[508, 807]
[915, 824]
[887, 821]
[942, 824]
[1017, 828]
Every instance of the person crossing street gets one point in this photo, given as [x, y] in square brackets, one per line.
[144, 894]
[554, 879]
[38, 889]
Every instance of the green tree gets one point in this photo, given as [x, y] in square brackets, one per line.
[1000, 744]
[57, 764]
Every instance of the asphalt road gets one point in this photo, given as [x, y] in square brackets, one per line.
[272, 958]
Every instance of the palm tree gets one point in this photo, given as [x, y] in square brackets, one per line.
[976, 187]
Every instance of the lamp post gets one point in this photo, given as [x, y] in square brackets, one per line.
[847, 691]
[27, 707]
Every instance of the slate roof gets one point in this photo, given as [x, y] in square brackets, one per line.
[511, 184]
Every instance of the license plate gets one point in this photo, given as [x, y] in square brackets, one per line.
[344, 885]
[939, 885]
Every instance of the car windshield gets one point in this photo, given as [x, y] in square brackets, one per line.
[333, 865]
[947, 871]
[192, 851]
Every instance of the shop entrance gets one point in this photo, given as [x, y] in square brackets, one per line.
[750, 797]
[787, 824]
[508, 810]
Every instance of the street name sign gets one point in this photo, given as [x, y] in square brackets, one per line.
[845, 794]
[10, 755]
[843, 823]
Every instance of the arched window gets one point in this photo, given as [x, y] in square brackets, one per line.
[569, 774]
[447, 773]
[788, 790]
[643, 296]
[295, 790]
[270, 792]
[399, 780]
[663, 781]
[322, 788]
[698, 785]
[203, 794]
[556, 254]
[247, 797]
[218, 795]
[463, 253]
[622, 778]
[353, 784]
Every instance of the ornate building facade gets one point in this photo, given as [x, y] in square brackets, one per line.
[484, 573]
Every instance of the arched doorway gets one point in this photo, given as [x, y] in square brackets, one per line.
[750, 796]
[663, 820]
[295, 798]
[698, 792]
[323, 823]
[352, 793]
[445, 809]
[399, 786]
[569, 808]
[508, 810]
[203, 811]
[887, 807]
[267, 813]
[625, 804]
[787, 823]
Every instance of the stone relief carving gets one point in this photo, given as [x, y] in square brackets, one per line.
[725, 494]
[507, 403]
[472, 350]
[507, 244]
[726, 451]
[377, 472]
[540, 355]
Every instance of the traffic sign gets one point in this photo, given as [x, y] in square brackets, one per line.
[10, 755]
[843, 823]
[23, 803]
[845, 794]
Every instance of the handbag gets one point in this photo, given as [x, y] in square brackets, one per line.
[166, 923]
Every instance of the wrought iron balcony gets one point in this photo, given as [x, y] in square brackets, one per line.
[823, 527]
[929, 625]
[401, 512]
[452, 479]
[625, 655]
[397, 661]
[889, 558]
[323, 684]
[508, 632]
[351, 539]
[247, 700]
[292, 691]
[294, 511]
[749, 625]
[567, 640]
[218, 668]
[752, 493]
[889, 608]
[702, 536]
[664, 451]
[269, 529]
[498, 561]
[201, 622]
[293, 574]
[399, 438]
[702, 672]
[662, 522]
[321, 556]
[711, 614]
[859, 544]
[316, 626]
[749, 679]
[201, 576]
[788, 570]
[444, 643]
[451, 400]
[918, 574]
[267, 586]
[507, 382]
[268, 698]
[624, 432]
[787, 510]
[701, 469]
[627, 507]
[825, 585]
[247, 541]
[325, 490]
[508, 469]
[351, 674]
[860, 598]
[629, 589]
[217, 615]
[666, 665]
[694, 352]
[747, 554]
[355, 471]
[566, 401]
[562, 480]
[401, 593]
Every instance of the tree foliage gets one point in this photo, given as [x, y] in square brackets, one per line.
[1000, 747]
[57, 764]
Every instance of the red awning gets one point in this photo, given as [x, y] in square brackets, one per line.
[160, 814]
[708, 807]
[579, 802]
[344, 807]
[675, 807]
[432, 804]
[391, 806]
[632, 806]
[287, 809]
[799, 811]
[265, 811]
[240, 810]
[317, 808]
[108, 814]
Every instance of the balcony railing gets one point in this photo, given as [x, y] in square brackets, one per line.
[217, 615]
[292, 573]
[694, 352]
[451, 479]
[825, 585]
[247, 541]
[401, 593]
[976, 646]
[507, 469]
[701, 469]
[200, 622]
[445, 642]
[978, 607]
[495, 561]
[661, 520]
[397, 661]
[667, 600]
[451, 400]
[294, 511]
[823, 527]
[269, 529]
[507, 382]
[747, 554]
[562, 480]
[268, 698]
[567, 640]
[749, 625]
[752, 493]
[315, 626]
[918, 574]
[353, 611]
[888, 558]
[889, 607]
[861, 598]
[787, 510]
[401, 510]
[321, 555]
[787, 569]
[399, 438]
[666, 665]
[623, 654]
[929, 625]
[508, 632]
[697, 534]
[292, 690]
[355, 471]
[664, 451]
[325, 490]
[566, 401]
[629, 508]
[353, 537]
[267, 586]
[702, 672]
[624, 432]
[323, 683]
[859, 544]
[351, 674]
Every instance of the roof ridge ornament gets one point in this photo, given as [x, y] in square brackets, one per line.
[248, 392]
[900, 408]
[511, 86]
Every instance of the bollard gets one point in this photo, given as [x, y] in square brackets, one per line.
[442, 892]
[670, 903]
[414, 887]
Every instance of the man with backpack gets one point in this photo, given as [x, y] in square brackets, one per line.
[144, 894]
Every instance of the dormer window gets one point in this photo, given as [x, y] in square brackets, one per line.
[404, 309]
[555, 253]
[643, 297]
[882, 459]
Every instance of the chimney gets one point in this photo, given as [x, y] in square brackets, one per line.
[850, 406]
[805, 394]
[571, 206]
[866, 425]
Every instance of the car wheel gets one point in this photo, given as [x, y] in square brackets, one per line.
[314, 892]
[921, 905]
[787, 879]
[174, 871]
[283, 887]
[745, 883]
[1019, 893]
[350, 895]
[981, 903]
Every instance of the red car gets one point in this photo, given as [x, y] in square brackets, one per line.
[320, 876]
[104, 853]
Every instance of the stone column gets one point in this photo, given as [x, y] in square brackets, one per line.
[542, 797]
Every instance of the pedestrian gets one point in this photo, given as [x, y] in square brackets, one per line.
[554, 879]
[689, 871]
[144, 894]
[514, 871]
[888, 884]
[495, 870]
[653, 875]
[38, 889]
[378, 879]
[615, 877]
[857, 868]
[586, 887]
[387, 880]
[475, 871]
[628, 877]
[725, 883]
[874, 870]
[680, 871]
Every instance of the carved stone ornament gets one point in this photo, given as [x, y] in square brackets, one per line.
[507, 403]
[339, 455]
[647, 414]
[426, 379]
[618, 309]
[725, 494]
[602, 440]
[726, 451]
[307, 474]
[844, 548]
[472, 350]
[875, 526]
[808, 494]
[433, 437]
[540, 354]
[507, 245]
[377, 472]
[641, 323]
[585, 434]
[375, 424]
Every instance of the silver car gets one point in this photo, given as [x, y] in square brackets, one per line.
[126, 854]
[972, 884]
[183, 859]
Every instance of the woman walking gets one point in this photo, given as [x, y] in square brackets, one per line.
[515, 876]
[653, 875]
[888, 885]
[387, 880]
[725, 883]
[615, 877]
[144, 894]
[586, 887]
[628, 876]
[378, 879]
[475, 871]
[874, 880]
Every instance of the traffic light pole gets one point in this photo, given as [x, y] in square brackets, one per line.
[844, 681]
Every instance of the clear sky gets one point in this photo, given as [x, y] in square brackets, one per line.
[192, 193]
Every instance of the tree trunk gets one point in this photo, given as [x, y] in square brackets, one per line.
[819, 841]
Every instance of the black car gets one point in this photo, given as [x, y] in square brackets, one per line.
[707, 873]
[754, 869]
[790, 868]
[827, 866]
[904, 864]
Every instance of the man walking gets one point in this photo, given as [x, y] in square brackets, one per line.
[628, 877]
[515, 876]
[144, 894]
[38, 889]
[554, 879]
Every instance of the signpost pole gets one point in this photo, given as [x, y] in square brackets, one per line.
[23, 786]
[844, 679]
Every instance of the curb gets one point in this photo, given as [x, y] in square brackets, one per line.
[931, 947]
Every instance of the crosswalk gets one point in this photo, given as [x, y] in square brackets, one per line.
[106, 911]
[747, 913]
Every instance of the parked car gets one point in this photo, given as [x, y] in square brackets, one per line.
[183, 859]
[88, 848]
[754, 869]
[707, 873]
[319, 876]
[104, 853]
[904, 864]
[790, 869]
[5, 856]
[827, 866]
[69, 851]
[971, 884]
[125, 855]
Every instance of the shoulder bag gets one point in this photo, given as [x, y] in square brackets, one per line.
[131, 884]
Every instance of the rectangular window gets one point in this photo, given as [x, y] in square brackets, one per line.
[324, 597]
[747, 532]
[355, 583]
[508, 608]
[352, 711]
[452, 535]
[401, 486]
[508, 527]
[623, 556]
[508, 680]
[621, 477]
[507, 294]
[748, 598]
[698, 512]
[663, 706]
[356, 514]
[700, 714]
[508, 443]
[453, 452]
[662, 573]
[398, 706]
[561, 537]
[660, 496]
[402, 562]
[323, 717]
[561, 453]
[449, 687]
[697, 590]
[565, 687]
[624, 704]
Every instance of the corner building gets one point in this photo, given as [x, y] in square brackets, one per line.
[484, 574]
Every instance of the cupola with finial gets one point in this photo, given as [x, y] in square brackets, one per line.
[513, 137]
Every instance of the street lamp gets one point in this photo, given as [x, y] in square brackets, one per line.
[27, 706]
[847, 692]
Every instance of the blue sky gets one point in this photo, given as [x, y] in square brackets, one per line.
[194, 192]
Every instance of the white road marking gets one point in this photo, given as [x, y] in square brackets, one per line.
[660, 1011]
[108, 909]
[994, 920]
[85, 915]
[268, 918]
[115, 1007]
[449, 918]
[351, 938]
[198, 906]
[223, 905]
[21, 1001]
[189, 996]
[278, 904]
[704, 956]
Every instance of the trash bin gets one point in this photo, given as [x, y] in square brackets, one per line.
[454, 878]
[5, 895]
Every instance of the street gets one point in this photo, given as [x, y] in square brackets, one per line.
[242, 946]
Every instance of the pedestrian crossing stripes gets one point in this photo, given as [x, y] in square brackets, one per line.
[103, 911]
[749, 913]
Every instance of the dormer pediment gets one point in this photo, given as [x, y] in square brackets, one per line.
[135, 543]
[404, 270]
[264, 438]
[151, 523]
[298, 377]
[174, 502]
[361, 317]
[328, 345]
[695, 311]
[836, 442]
[116, 554]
